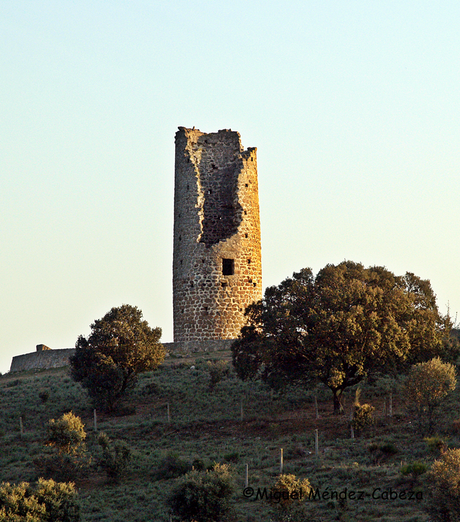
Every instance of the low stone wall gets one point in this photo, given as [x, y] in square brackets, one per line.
[58, 358]
[41, 360]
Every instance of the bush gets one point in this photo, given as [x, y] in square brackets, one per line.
[415, 469]
[116, 457]
[66, 437]
[363, 415]
[232, 457]
[427, 384]
[435, 444]
[388, 448]
[172, 466]
[198, 464]
[61, 467]
[203, 496]
[67, 434]
[48, 501]
[444, 501]
[382, 452]
[217, 371]
[288, 491]
[44, 396]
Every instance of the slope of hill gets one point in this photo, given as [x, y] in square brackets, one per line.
[240, 423]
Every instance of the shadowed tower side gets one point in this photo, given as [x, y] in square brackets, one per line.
[217, 269]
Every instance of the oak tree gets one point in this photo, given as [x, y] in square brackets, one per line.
[120, 346]
[443, 503]
[338, 327]
[426, 386]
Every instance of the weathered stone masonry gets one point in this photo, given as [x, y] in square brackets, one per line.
[217, 269]
[43, 358]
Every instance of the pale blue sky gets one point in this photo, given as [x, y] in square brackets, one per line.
[354, 107]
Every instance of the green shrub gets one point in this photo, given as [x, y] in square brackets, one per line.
[67, 434]
[232, 457]
[415, 469]
[68, 456]
[217, 371]
[427, 385]
[363, 414]
[444, 502]
[435, 444]
[198, 464]
[203, 496]
[363, 417]
[115, 458]
[44, 396]
[382, 452]
[48, 501]
[172, 466]
[288, 491]
[388, 448]
[151, 388]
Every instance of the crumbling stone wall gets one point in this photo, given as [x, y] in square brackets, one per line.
[41, 359]
[217, 269]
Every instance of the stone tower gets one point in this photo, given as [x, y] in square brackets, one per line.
[217, 268]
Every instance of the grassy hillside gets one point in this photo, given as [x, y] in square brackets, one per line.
[206, 426]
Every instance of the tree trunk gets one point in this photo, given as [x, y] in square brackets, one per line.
[338, 408]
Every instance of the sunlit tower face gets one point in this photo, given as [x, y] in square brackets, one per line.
[217, 268]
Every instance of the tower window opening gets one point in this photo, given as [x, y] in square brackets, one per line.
[228, 267]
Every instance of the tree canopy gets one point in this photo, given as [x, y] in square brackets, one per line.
[120, 346]
[338, 327]
[427, 384]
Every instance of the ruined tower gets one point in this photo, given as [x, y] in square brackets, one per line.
[217, 269]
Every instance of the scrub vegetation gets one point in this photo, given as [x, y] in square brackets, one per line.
[176, 426]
